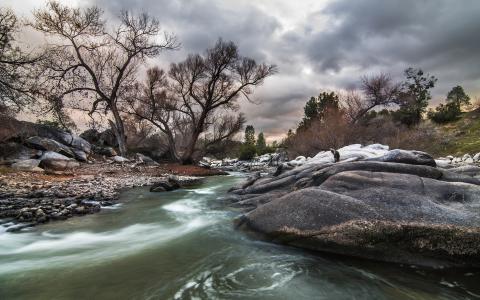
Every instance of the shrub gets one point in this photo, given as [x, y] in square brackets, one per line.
[445, 113]
[247, 152]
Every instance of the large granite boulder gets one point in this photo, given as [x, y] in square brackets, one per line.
[407, 157]
[63, 137]
[80, 155]
[404, 210]
[46, 144]
[22, 130]
[57, 162]
[11, 152]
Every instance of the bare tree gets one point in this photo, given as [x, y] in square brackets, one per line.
[93, 67]
[149, 101]
[353, 105]
[378, 90]
[196, 97]
[16, 85]
[223, 127]
[203, 84]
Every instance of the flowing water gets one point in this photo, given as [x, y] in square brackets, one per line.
[181, 245]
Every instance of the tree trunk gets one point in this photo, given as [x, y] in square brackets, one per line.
[173, 148]
[119, 131]
[187, 157]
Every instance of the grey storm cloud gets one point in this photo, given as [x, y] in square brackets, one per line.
[322, 45]
[439, 36]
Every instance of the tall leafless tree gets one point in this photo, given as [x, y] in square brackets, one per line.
[196, 97]
[203, 84]
[149, 101]
[91, 66]
[17, 87]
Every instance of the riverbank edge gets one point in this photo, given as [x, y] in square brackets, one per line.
[28, 199]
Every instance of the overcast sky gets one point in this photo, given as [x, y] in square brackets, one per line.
[320, 45]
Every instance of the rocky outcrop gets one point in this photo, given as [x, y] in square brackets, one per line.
[56, 149]
[395, 207]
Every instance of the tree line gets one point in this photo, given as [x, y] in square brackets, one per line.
[255, 146]
[90, 66]
[382, 110]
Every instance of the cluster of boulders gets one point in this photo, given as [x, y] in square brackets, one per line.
[56, 150]
[43, 147]
[452, 162]
[55, 210]
[262, 163]
[375, 203]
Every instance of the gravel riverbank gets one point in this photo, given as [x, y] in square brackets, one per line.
[28, 199]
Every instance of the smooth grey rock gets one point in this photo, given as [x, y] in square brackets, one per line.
[423, 171]
[383, 216]
[80, 144]
[46, 144]
[58, 164]
[54, 155]
[412, 157]
[466, 170]
[28, 165]
[120, 159]
[80, 155]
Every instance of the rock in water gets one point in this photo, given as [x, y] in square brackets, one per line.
[392, 217]
[399, 208]
[165, 186]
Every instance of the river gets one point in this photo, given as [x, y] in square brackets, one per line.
[182, 245]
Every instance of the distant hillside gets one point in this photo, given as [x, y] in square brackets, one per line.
[457, 138]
